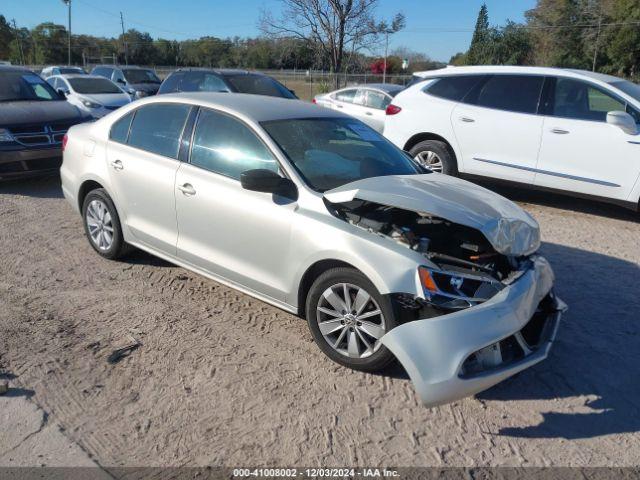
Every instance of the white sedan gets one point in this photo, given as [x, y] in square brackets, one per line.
[367, 103]
[567, 130]
[92, 94]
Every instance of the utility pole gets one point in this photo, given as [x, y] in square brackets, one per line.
[15, 29]
[124, 41]
[595, 52]
[386, 51]
[68, 4]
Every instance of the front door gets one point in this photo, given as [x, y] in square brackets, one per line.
[237, 234]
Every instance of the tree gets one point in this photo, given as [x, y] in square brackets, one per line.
[6, 36]
[624, 40]
[481, 38]
[335, 27]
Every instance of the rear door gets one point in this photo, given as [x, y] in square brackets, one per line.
[580, 151]
[498, 128]
[375, 103]
[142, 158]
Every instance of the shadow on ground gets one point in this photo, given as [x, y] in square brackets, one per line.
[596, 357]
[38, 187]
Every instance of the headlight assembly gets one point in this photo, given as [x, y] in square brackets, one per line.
[90, 104]
[456, 290]
[140, 94]
[5, 136]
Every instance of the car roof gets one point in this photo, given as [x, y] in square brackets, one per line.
[385, 87]
[493, 69]
[13, 68]
[79, 75]
[122, 67]
[260, 108]
[220, 71]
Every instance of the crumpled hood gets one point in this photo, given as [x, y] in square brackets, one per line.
[509, 229]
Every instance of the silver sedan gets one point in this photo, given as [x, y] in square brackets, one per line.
[367, 103]
[316, 213]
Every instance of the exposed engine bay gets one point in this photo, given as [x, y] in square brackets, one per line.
[479, 271]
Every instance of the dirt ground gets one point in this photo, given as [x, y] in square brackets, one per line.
[223, 379]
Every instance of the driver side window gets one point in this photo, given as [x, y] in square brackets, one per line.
[582, 101]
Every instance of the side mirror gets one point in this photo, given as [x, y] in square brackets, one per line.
[293, 92]
[62, 93]
[120, 80]
[623, 121]
[268, 181]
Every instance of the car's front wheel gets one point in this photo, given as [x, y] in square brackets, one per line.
[347, 317]
[435, 155]
[102, 225]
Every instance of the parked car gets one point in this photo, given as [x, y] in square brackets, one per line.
[224, 80]
[366, 102]
[316, 213]
[567, 130]
[58, 70]
[94, 95]
[33, 121]
[136, 81]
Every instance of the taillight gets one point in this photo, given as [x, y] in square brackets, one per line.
[314, 100]
[393, 109]
[64, 141]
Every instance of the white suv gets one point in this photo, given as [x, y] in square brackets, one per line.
[567, 130]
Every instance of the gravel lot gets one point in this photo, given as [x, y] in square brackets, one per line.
[223, 379]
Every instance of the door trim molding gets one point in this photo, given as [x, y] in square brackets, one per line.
[549, 172]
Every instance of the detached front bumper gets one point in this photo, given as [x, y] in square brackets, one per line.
[23, 162]
[456, 355]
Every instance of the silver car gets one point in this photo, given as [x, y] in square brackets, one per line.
[367, 103]
[316, 213]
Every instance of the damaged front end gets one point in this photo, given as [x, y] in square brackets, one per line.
[483, 307]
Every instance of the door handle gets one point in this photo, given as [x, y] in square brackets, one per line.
[187, 189]
[467, 120]
[117, 165]
[369, 113]
[559, 131]
[339, 106]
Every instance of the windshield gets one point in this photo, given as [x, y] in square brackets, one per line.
[75, 70]
[138, 75]
[25, 86]
[93, 85]
[331, 152]
[629, 88]
[258, 85]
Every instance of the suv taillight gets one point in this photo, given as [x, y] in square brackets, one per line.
[393, 109]
[64, 141]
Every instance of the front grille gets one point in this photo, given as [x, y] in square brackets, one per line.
[50, 134]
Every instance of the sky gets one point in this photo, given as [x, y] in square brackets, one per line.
[438, 28]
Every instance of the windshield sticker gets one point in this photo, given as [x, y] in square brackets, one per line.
[364, 132]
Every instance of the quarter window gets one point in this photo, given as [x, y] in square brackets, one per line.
[582, 101]
[120, 129]
[514, 93]
[224, 145]
[377, 100]
[453, 88]
[157, 128]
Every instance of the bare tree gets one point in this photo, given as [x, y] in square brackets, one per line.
[335, 27]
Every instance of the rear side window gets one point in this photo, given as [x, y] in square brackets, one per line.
[120, 129]
[514, 93]
[377, 100]
[582, 101]
[224, 145]
[453, 88]
[259, 85]
[202, 82]
[157, 128]
[346, 96]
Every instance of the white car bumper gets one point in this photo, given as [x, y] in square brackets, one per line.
[439, 354]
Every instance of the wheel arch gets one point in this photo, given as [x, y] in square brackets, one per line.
[86, 187]
[421, 137]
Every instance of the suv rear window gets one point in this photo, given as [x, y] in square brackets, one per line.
[453, 88]
[258, 85]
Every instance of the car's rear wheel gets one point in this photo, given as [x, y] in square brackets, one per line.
[347, 317]
[102, 225]
[435, 155]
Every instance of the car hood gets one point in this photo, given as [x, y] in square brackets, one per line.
[108, 99]
[37, 112]
[509, 229]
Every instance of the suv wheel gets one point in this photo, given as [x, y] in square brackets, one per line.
[102, 225]
[436, 156]
[347, 317]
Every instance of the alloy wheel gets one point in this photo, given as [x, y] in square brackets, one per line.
[350, 320]
[430, 159]
[99, 224]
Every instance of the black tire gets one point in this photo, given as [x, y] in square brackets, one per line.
[118, 247]
[381, 356]
[442, 150]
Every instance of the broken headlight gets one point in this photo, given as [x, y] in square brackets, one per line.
[457, 290]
